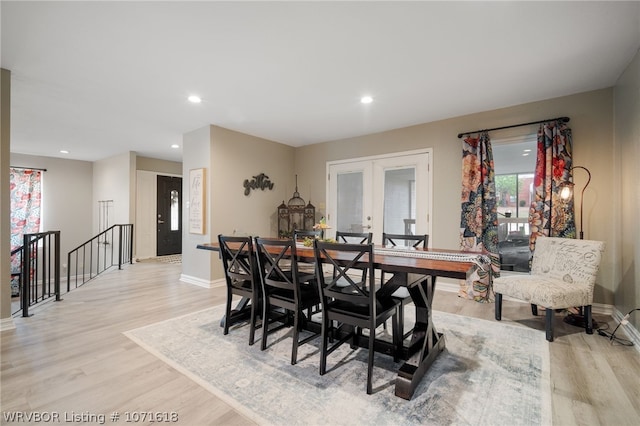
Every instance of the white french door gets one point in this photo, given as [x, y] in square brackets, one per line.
[380, 194]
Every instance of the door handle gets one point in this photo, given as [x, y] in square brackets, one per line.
[160, 221]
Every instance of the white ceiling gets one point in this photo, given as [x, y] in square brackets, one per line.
[103, 78]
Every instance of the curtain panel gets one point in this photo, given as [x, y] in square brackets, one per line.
[25, 188]
[549, 215]
[479, 214]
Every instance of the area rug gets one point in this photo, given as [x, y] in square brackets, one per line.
[490, 373]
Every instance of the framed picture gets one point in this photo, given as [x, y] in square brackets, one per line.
[196, 201]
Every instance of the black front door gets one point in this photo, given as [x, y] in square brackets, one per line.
[169, 215]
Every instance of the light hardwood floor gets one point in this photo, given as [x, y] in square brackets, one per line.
[71, 356]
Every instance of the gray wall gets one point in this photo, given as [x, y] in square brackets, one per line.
[625, 185]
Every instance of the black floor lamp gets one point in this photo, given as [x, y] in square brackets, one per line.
[566, 192]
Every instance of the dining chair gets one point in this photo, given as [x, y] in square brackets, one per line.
[347, 310]
[285, 286]
[242, 278]
[402, 293]
[563, 275]
[300, 235]
[354, 237]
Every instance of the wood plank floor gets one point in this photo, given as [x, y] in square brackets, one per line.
[71, 356]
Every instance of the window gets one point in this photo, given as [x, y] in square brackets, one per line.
[515, 162]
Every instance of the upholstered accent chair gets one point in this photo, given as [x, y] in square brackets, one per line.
[563, 274]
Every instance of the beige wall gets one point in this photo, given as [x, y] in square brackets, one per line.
[67, 188]
[5, 206]
[160, 166]
[592, 126]
[229, 158]
[627, 191]
[114, 179]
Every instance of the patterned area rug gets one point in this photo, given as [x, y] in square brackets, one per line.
[491, 373]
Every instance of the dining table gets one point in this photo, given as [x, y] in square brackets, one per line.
[416, 269]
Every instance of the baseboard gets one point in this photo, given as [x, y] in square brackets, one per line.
[7, 324]
[200, 282]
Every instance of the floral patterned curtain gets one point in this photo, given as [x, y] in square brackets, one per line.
[549, 215]
[26, 194]
[479, 216]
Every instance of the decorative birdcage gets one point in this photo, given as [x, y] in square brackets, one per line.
[296, 214]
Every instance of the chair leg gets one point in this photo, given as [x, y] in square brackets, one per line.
[324, 345]
[227, 317]
[265, 324]
[372, 339]
[588, 320]
[252, 323]
[498, 306]
[296, 336]
[534, 309]
[549, 323]
[397, 338]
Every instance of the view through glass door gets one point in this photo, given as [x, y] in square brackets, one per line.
[380, 194]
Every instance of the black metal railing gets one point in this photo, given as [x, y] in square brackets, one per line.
[111, 247]
[39, 275]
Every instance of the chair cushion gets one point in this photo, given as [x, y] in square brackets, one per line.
[544, 291]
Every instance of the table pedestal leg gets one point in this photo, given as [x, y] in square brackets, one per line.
[426, 343]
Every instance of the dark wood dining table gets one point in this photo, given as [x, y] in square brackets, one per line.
[416, 269]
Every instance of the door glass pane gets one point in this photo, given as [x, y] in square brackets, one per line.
[349, 202]
[400, 201]
[175, 210]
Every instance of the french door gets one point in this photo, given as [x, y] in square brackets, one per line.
[380, 194]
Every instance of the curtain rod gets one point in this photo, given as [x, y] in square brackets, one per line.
[28, 168]
[563, 119]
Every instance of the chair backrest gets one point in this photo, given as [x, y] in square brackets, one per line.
[354, 237]
[407, 240]
[238, 260]
[567, 259]
[301, 234]
[344, 285]
[278, 264]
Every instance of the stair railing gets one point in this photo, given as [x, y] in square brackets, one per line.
[111, 247]
[39, 275]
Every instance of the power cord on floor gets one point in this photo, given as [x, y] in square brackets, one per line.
[602, 331]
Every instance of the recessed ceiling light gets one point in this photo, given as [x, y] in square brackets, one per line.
[366, 99]
[527, 150]
[175, 146]
[194, 99]
[64, 151]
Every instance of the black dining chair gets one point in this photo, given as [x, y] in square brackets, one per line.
[402, 294]
[354, 237]
[285, 286]
[300, 235]
[242, 278]
[347, 310]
